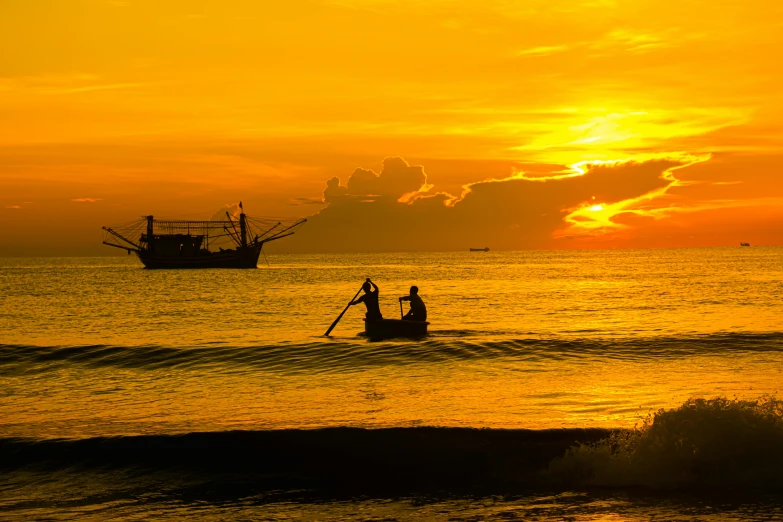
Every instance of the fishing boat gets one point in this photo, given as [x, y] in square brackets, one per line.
[744, 244]
[199, 244]
[390, 328]
[485, 249]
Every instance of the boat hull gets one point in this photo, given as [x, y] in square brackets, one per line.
[390, 328]
[239, 258]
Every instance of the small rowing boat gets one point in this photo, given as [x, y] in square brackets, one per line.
[390, 328]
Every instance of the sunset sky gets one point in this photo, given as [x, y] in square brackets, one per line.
[396, 125]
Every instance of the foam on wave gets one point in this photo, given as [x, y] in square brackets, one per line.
[704, 443]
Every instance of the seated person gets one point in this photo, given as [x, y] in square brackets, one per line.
[418, 311]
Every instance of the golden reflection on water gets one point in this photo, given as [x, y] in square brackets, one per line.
[519, 340]
[499, 395]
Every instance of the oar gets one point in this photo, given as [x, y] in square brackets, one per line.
[341, 315]
[401, 316]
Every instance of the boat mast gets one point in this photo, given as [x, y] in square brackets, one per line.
[150, 233]
[235, 234]
[242, 227]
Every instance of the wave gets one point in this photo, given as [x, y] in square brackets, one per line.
[343, 356]
[704, 445]
[350, 459]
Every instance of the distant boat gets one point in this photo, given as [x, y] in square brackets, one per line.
[391, 328]
[485, 249]
[744, 244]
[191, 244]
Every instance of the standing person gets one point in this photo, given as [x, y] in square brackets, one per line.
[418, 311]
[370, 300]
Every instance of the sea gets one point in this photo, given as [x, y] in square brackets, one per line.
[553, 385]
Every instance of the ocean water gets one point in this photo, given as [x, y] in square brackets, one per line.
[539, 392]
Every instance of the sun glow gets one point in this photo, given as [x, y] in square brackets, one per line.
[471, 91]
[594, 219]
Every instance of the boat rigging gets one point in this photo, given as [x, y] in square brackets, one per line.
[199, 244]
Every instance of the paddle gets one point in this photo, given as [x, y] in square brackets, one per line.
[343, 312]
[401, 316]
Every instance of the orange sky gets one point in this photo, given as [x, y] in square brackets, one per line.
[536, 124]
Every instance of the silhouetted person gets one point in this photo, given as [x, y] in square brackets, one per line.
[418, 311]
[370, 300]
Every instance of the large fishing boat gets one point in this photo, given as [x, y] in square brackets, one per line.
[197, 244]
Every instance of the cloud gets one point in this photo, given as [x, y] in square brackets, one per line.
[86, 200]
[633, 41]
[397, 180]
[542, 51]
[19, 206]
[334, 191]
[64, 84]
[631, 218]
[626, 40]
[231, 208]
[368, 214]
[309, 201]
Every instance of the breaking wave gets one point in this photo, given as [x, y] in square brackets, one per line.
[705, 443]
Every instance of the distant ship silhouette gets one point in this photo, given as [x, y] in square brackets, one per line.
[485, 249]
[744, 244]
[186, 244]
